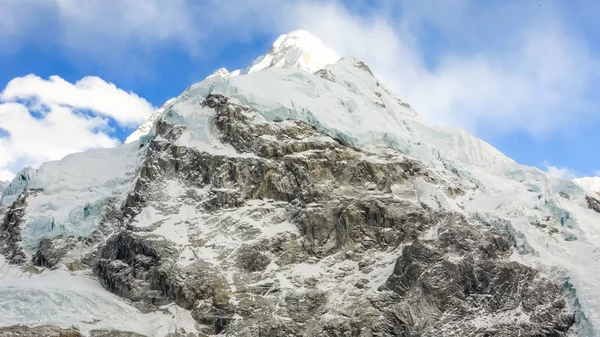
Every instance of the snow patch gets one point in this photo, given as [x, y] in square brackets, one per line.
[435, 199]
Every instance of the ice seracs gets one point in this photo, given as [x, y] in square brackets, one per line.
[590, 183]
[12, 189]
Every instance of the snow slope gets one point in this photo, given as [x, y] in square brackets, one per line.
[351, 105]
[59, 297]
[590, 183]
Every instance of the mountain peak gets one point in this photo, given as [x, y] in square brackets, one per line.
[298, 49]
[590, 183]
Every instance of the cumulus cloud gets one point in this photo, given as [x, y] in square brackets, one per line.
[42, 120]
[559, 172]
[90, 92]
[133, 29]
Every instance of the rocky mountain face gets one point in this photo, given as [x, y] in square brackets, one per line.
[287, 203]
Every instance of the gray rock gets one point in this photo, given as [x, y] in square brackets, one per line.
[438, 287]
[253, 258]
[593, 203]
[10, 230]
[52, 249]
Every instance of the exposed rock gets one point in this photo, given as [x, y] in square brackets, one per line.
[142, 268]
[463, 275]
[253, 258]
[303, 306]
[10, 230]
[593, 203]
[52, 249]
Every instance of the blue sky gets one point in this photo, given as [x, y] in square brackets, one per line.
[522, 75]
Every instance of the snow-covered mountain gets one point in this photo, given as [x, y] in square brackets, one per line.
[3, 185]
[297, 49]
[591, 183]
[287, 200]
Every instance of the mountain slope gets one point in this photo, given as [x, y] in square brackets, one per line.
[281, 202]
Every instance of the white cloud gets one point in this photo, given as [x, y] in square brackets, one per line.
[93, 25]
[90, 92]
[111, 31]
[560, 172]
[45, 120]
[5, 175]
